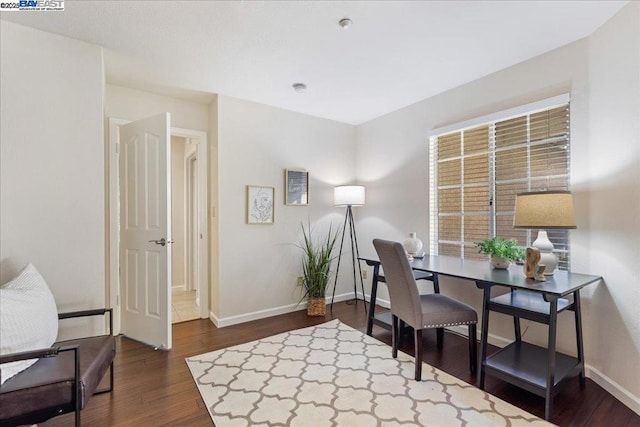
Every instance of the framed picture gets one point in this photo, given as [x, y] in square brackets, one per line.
[260, 204]
[296, 187]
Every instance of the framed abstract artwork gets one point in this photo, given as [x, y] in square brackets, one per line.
[260, 204]
[296, 187]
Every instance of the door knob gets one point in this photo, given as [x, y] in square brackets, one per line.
[161, 242]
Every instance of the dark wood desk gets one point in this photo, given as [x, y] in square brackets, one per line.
[539, 370]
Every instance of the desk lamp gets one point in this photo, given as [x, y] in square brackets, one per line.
[544, 210]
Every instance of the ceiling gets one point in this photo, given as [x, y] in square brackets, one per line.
[394, 54]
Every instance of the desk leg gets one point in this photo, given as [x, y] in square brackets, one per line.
[551, 363]
[578, 315]
[516, 326]
[485, 329]
[439, 331]
[372, 301]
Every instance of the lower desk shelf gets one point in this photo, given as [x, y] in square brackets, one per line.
[383, 319]
[525, 365]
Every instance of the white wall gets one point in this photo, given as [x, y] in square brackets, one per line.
[614, 197]
[602, 75]
[52, 191]
[258, 264]
[214, 303]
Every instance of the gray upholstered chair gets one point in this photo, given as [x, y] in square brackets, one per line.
[420, 311]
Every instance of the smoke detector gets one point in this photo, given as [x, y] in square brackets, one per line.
[300, 87]
[345, 23]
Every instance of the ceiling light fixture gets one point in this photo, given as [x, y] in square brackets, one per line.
[300, 87]
[345, 23]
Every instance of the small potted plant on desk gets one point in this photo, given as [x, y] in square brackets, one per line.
[316, 270]
[501, 251]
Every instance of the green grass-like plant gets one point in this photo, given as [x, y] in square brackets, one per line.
[316, 262]
[501, 248]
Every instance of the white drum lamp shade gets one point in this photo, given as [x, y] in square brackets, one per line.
[348, 195]
[544, 210]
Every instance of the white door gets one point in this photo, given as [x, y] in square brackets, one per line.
[145, 230]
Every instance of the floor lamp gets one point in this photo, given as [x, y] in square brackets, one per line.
[349, 196]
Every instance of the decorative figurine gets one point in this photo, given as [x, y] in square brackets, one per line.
[539, 276]
[531, 264]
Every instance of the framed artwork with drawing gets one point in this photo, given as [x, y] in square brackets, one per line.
[296, 187]
[260, 204]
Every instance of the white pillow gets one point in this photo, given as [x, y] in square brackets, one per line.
[28, 319]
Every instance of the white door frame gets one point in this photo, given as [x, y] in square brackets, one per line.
[113, 258]
[192, 215]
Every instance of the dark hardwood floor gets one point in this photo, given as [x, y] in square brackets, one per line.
[155, 388]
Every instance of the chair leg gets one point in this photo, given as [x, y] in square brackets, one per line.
[473, 348]
[440, 337]
[394, 336]
[401, 328]
[418, 345]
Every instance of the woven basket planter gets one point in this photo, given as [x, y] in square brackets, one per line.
[316, 307]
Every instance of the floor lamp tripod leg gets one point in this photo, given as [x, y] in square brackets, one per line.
[353, 254]
[335, 282]
[357, 260]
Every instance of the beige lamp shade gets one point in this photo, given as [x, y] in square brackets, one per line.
[544, 210]
[348, 195]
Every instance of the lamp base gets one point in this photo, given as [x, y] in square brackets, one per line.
[547, 257]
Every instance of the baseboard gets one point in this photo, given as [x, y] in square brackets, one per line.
[213, 318]
[381, 302]
[269, 312]
[613, 388]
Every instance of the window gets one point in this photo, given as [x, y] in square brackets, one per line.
[478, 167]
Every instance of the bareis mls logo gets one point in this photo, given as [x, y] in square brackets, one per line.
[38, 5]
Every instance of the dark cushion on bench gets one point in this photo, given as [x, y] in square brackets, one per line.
[49, 382]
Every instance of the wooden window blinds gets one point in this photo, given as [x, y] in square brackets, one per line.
[477, 171]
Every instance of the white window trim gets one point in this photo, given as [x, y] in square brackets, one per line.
[510, 113]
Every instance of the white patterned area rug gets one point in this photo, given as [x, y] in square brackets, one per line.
[334, 375]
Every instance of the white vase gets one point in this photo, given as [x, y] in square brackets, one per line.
[412, 245]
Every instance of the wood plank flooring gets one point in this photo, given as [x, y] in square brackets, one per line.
[155, 388]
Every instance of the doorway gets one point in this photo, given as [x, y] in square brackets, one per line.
[185, 290]
[198, 252]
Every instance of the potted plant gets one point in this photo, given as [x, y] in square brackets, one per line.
[316, 269]
[501, 251]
